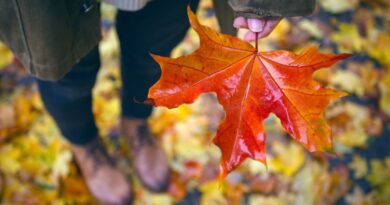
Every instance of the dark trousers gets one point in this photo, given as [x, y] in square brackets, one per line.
[156, 29]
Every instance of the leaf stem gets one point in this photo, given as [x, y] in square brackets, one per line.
[256, 41]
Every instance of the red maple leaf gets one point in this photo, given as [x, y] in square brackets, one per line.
[250, 85]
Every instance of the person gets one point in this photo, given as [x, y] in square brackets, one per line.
[57, 42]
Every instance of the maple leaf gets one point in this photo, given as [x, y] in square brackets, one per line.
[249, 85]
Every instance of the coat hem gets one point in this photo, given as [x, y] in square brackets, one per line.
[45, 72]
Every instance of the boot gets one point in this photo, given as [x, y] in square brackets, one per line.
[106, 183]
[150, 161]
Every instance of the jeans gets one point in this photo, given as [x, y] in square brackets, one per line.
[157, 29]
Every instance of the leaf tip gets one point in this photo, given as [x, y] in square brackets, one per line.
[343, 94]
[154, 56]
[192, 18]
[345, 55]
[190, 13]
[340, 94]
[223, 172]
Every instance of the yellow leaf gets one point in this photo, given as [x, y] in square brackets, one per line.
[339, 6]
[311, 27]
[212, 193]
[266, 200]
[384, 87]
[10, 159]
[287, 159]
[348, 38]
[347, 81]
[378, 47]
[358, 197]
[359, 166]
[6, 56]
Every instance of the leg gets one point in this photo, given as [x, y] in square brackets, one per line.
[69, 101]
[156, 29]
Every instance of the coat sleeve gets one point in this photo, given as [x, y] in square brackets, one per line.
[272, 8]
[225, 16]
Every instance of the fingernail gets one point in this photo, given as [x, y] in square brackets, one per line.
[255, 25]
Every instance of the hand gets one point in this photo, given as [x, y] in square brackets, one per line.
[262, 26]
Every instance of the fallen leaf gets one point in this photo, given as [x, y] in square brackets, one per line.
[384, 88]
[337, 6]
[378, 47]
[250, 85]
[286, 159]
[261, 199]
[379, 177]
[380, 172]
[312, 28]
[348, 38]
[358, 197]
[212, 193]
[316, 185]
[359, 166]
[6, 56]
[348, 81]
[352, 125]
[178, 187]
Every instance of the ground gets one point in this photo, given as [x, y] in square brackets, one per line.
[37, 166]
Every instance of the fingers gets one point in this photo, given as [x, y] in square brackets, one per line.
[269, 27]
[240, 22]
[256, 25]
[261, 26]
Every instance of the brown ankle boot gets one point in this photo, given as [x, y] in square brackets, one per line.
[107, 184]
[150, 161]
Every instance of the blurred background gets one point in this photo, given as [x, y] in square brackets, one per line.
[37, 167]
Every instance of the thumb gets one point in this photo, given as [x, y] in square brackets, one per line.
[256, 25]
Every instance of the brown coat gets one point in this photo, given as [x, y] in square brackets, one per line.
[49, 36]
